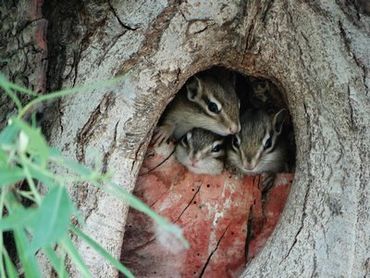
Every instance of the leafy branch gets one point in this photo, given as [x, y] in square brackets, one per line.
[28, 163]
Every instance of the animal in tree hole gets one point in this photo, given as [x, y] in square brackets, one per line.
[207, 101]
[259, 148]
[201, 152]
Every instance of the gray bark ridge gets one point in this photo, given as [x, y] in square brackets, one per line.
[315, 52]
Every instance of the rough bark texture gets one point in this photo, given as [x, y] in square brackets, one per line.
[316, 52]
[23, 49]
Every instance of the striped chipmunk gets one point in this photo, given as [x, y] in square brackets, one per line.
[259, 147]
[207, 101]
[201, 152]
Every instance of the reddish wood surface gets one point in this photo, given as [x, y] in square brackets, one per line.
[213, 212]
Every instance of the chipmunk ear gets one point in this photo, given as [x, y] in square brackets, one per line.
[278, 120]
[194, 88]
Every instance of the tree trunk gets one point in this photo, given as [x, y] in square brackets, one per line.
[316, 52]
[23, 50]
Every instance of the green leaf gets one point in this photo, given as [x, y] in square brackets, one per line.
[71, 164]
[5, 84]
[9, 176]
[37, 144]
[69, 91]
[77, 167]
[3, 81]
[42, 175]
[9, 134]
[18, 218]
[56, 262]
[52, 219]
[3, 159]
[29, 263]
[133, 201]
[21, 89]
[10, 269]
[102, 252]
[75, 257]
[54, 153]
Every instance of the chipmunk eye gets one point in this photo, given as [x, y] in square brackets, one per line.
[236, 142]
[268, 143]
[216, 148]
[213, 107]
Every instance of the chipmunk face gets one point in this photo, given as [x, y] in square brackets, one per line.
[219, 103]
[255, 149]
[201, 151]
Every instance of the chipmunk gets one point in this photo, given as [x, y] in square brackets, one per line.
[201, 151]
[258, 149]
[265, 95]
[207, 102]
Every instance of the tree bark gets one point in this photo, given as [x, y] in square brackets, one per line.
[23, 50]
[316, 52]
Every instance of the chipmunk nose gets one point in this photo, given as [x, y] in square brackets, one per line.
[234, 128]
[248, 164]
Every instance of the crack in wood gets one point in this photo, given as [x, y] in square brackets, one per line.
[119, 19]
[352, 122]
[367, 268]
[159, 164]
[141, 246]
[93, 206]
[183, 15]
[111, 148]
[60, 115]
[188, 205]
[89, 128]
[152, 36]
[201, 30]
[249, 231]
[76, 60]
[213, 251]
[159, 198]
[314, 266]
[300, 227]
[266, 10]
[136, 154]
[112, 43]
